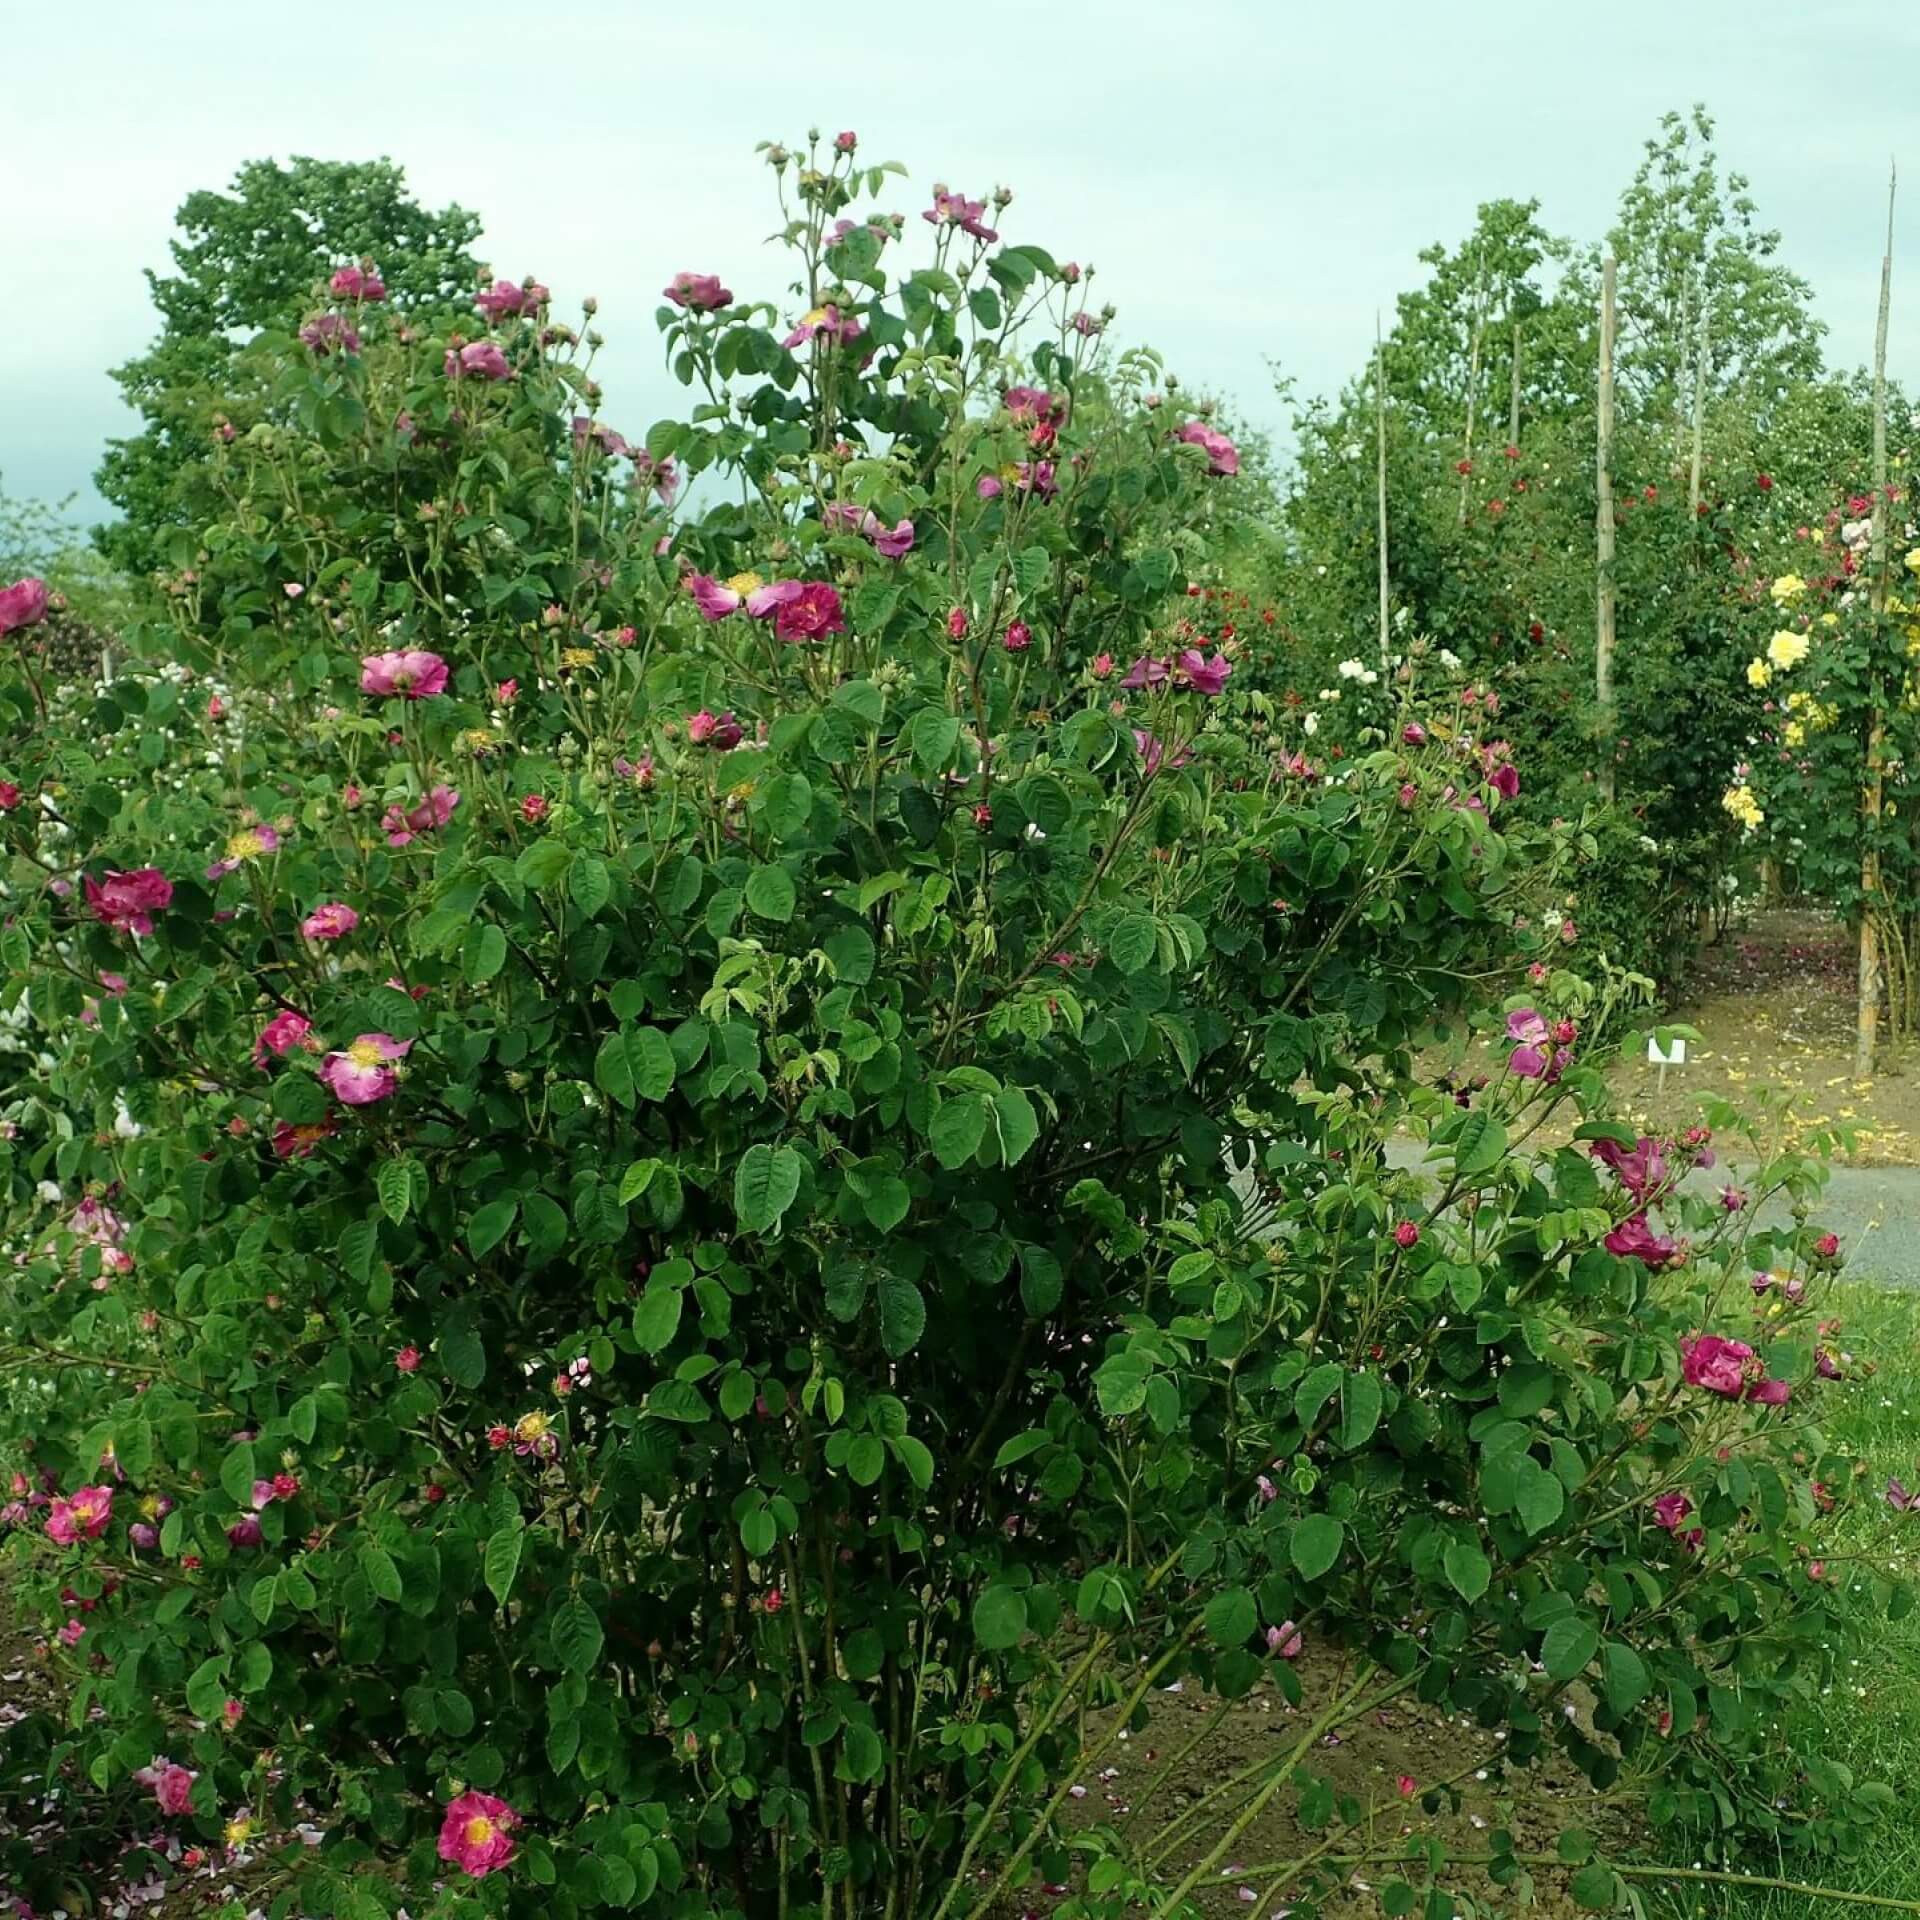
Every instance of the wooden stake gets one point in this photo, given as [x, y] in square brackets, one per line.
[1380, 438]
[1867, 1028]
[1603, 538]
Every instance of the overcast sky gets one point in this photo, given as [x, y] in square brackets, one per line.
[1252, 178]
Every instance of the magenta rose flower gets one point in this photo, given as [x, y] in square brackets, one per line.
[22, 604]
[364, 1073]
[127, 902]
[412, 673]
[1642, 1169]
[715, 599]
[1206, 676]
[278, 1038]
[1634, 1239]
[1720, 1366]
[477, 1834]
[810, 614]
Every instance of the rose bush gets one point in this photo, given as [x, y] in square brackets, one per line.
[704, 1180]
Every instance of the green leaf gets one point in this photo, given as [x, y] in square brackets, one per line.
[1479, 1144]
[1231, 1617]
[656, 1319]
[1316, 1544]
[463, 1355]
[1133, 942]
[1626, 1677]
[1538, 1496]
[207, 1688]
[866, 1459]
[1569, 1644]
[483, 953]
[1468, 1569]
[957, 1128]
[613, 1069]
[590, 884]
[489, 1225]
[1315, 1390]
[999, 1617]
[393, 1182]
[637, 1179]
[577, 1637]
[382, 1575]
[1360, 1401]
[886, 1202]
[1017, 1124]
[238, 1473]
[765, 1185]
[650, 1056]
[502, 1565]
[903, 1314]
[770, 893]
[933, 736]
[786, 805]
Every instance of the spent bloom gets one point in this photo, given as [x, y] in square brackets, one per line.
[956, 210]
[402, 826]
[331, 921]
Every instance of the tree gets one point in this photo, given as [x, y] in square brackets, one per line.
[247, 260]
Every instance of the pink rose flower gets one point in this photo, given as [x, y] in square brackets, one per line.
[504, 298]
[246, 1532]
[412, 673]
[128, 901]
[701, 292]
[480, 359]
[1634, 1239]
[1223, 457]
[1284, 1641]
[477, 1834]
[435, 810]
[357, 283]
[22, 604]
[331, 921]
[363, 1073]
[956, 210]
[82, 1517]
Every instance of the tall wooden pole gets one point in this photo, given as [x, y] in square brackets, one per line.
[1867, 1029]
[1473, 382]
[1603, 539]
[1699, 415]
[1380, 444]
[1513, 396]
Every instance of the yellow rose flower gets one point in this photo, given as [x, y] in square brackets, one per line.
[1759, 674]
[1787, 649]
[1787, 589]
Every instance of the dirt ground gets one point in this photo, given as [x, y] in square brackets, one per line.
[1775, 1003]
[1387, 1761]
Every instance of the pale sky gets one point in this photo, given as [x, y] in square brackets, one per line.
[1251, 179]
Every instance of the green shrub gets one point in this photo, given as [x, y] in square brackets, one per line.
[738, 1200]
